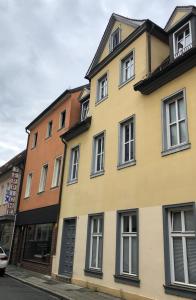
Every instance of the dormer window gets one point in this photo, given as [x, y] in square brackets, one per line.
[84, 110]
[182, 40]
[115, 39]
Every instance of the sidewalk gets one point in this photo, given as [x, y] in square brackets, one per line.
[56, 288]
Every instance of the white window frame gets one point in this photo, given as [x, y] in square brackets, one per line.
[131, 59]
[102, 88]
[84, 110]
[117, 30]
[98, 235]
[49, 129]
[97, 154]
[34, 142]
[28, 185]
[184, 235]
[129, 235]
[175, 34]
[74, 151]
[61, 118]
[57, 172]
[43, 178]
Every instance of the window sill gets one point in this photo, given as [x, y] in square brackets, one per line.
[181, 291]
[125, 82]
[39, 193]
[101, 100]
[27, 197]
[72, 182]
[93, 175]
[126, 279]
[176, 149]
[48, 137]
[127, 164]
[33, 147]
[54, 187]
[61, 128]
[93, 273]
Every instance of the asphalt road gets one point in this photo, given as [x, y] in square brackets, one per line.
[11, 289]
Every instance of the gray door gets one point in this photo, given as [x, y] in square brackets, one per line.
[67, 247]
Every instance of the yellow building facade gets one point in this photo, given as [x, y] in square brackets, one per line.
[127, 219]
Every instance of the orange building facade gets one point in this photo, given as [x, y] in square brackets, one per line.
[37, 218]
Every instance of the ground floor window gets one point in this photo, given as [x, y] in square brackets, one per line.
[38, 242]
[6, 233]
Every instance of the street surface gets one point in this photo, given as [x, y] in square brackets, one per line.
[11, 289]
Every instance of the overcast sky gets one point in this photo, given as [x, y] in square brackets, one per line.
[47, 46]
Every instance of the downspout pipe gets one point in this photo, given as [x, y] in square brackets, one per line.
[149, 49]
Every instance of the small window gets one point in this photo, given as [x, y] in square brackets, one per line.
[57, 172]
[49, 129]
[115, 39]
[28, 185]
[98, 154]
[127, 142]
[102, 92]
[74, 163]
[43, 178]
[84, 110]
[182, 40]
[62, 119]
[175, 121]
[127, 68]
[179, 233]
[94, 250]
[127, 245]
[34, 143]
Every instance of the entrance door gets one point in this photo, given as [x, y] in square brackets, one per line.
[67, 247]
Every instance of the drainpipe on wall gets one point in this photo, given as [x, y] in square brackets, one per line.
[149, 63]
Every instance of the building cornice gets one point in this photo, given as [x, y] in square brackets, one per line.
[76, 130]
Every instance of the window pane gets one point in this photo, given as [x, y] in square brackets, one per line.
[189, 221]
[183, 133]
[126, 254]
[177, 221]
[134, 223]
[191, 256]
[131, 150]
[95, 225]
[187, 40]
[134, 255]
[98, 163]
[172, 112]
[100, 225]
[100, 253]
[181, 110]
[94, 250]
[126, 223]
[173, 134]
[178, 259]
[127, 152]
[127, 132]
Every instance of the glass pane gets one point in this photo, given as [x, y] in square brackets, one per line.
[100, 253]
[127, 133]
[187, 31]
[181, 109]
[187, 40]
[178, 259]
[134, 223]
[134, 255]
[99, 145]
[95, 225]
[100, 225]
[132, 128]
[189, 220]
[94, 250]
[177, 221]
[172, 112]
[126, 254]
[191, 256]
[173, 134]
[126, 223]
[131, 150]
[127, 152]
[183, 133]
[98, 167]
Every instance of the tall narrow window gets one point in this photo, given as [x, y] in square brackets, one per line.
[62, 119]
[57, 171]
[127, 68]
[43, 178]
[49, 129]
[180, 244]
[127, 245]
[34, 143]
[182, 40]
[115, 39]
[74, 162]
[175, 121]
[102, 88]
[28, 185]
[127, 142]
[98, 154]
[84, 110]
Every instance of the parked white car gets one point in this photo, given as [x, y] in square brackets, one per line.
[3, 261]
